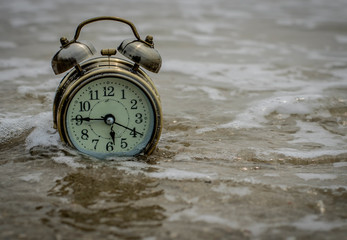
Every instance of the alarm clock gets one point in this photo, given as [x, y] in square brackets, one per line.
[108, 106]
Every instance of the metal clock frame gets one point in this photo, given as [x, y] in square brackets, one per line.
[97, 68]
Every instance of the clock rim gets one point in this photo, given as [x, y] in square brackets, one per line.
[76, 85]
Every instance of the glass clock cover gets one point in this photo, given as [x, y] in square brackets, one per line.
[110, 116]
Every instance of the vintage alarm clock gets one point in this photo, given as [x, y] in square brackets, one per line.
[108, 106]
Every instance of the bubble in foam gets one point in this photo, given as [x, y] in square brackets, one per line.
[43, 133]
[13, 127]
[255, 115]
[69, 161]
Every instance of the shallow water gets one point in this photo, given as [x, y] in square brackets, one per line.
[254, 98]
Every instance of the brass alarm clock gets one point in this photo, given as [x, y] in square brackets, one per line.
[108, 106]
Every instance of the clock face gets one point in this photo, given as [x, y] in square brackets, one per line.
[110, 116]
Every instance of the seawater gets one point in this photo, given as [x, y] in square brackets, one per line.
[254, 139]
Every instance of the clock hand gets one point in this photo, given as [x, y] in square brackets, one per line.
[133, 130]
[88, 119]
[113, 134]
[104, 118]
[81, 119]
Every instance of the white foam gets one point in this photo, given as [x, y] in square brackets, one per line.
[241, 76]
[312, 223]
[311, 132]
[176, 174]
[183, 157]
[69, 161]
[310, 24]
[133, 167]
[38, 92]
[340, 164]
[22, 67]
[33, 177]
[289, 85]
[271, 175]
[195, 216]
[213, 93]
[13, 127]
[240, 191]
[341, 39]
[307, 154]
[43, 133]
[334, 187]
[319, 176]
[254, 115]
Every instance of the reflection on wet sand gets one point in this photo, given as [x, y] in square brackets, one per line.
[107, 197]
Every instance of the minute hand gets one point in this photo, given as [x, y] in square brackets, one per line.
[86, 119]
[80, 119]
[128, 128]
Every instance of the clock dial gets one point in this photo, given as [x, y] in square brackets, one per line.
[110, 116]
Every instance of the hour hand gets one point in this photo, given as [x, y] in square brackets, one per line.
[80, 119]
[113, 135]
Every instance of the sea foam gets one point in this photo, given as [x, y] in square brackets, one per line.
[43, 133]
[22, 67]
